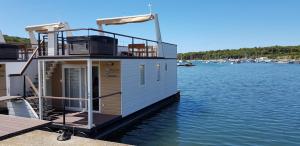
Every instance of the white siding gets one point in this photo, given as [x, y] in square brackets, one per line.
[169, 50]
[136, 96]
[14, 85]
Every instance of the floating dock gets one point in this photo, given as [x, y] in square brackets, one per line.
[11, 125]
[24, 131]
[44, 138]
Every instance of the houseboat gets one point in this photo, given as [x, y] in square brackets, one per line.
[90, 80]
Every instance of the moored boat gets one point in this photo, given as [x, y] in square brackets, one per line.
[88, 83]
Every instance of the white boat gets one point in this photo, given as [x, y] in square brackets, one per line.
[91, 79]
[184, 63]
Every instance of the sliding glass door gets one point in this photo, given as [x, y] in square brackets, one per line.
[75, 87]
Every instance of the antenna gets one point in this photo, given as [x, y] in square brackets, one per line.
[150, 8]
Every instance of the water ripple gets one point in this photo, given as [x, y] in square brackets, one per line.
[243, 104]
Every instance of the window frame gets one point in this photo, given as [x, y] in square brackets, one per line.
[142, 81]
[158, 72]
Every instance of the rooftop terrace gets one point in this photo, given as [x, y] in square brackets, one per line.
[94, 42]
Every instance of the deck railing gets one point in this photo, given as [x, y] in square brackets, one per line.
[22, 52]
[64, 100]
[129, 46]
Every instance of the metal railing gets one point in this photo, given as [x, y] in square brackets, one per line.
[65, 99]
[22, 52]
[24, 68]
[126, 45]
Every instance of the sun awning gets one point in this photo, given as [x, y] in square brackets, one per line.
[125, 20]
[44, 27]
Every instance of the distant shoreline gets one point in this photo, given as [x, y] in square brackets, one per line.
[272, 52]
[245, 60]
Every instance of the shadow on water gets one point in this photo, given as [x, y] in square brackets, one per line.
[147, 130]
[224, 104]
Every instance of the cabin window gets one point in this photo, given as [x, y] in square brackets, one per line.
[166, 67]
[142, 74]
[158, 72]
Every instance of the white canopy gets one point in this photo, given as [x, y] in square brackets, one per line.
[131, 19]
[45, 27]
[125, 20]
[134, 19]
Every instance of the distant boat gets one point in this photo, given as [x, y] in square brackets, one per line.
[282, 62]
[180, 63]
[184, 63]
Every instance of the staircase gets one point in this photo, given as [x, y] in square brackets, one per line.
[47, 109]
[50, 69]
[33, 100]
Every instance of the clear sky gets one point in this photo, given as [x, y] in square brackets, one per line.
[195, 25]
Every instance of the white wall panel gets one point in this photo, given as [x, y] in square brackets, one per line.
[136, 96]
[15, 84]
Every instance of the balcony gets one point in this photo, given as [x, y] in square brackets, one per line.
[15, 52]
[95, 43]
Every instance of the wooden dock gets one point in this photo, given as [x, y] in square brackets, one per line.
[43, 138]
[12, 126]
[80, 120]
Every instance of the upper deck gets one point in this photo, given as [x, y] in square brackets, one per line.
[93, 43]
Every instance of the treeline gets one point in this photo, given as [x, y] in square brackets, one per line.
[273, 52]
[14, 39]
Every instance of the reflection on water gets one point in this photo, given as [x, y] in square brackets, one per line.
[224, 104]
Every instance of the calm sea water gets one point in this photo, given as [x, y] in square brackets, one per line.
[224, 104]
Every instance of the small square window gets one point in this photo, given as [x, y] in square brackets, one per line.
[166, 67]
[158, 72]
[142, 74]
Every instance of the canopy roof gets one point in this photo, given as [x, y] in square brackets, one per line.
[125, 19]
[45, 27]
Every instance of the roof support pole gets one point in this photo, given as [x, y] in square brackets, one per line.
[157, 28]
[40, 72]
[2, 40]
[66, 27]
[90, 93]
[44, 79]
[52, 42]
[100, 27]
[158, 37]
[32, 38]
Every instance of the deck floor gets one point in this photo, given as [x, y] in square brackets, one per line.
[11, 125]
[43, 138]
[80, 119]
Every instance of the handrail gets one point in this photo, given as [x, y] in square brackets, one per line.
[75, 99]
[80, 99]
[32, 85]
[27, 63]
[93, 29]
[107, 95]
[65, 98]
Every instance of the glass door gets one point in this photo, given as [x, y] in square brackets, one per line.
[74, 84]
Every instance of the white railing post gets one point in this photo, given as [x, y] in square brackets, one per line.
[40, 72]
[44, 79]
[52, 42]
[90, 93]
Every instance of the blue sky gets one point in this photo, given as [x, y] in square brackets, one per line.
[195, 25]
